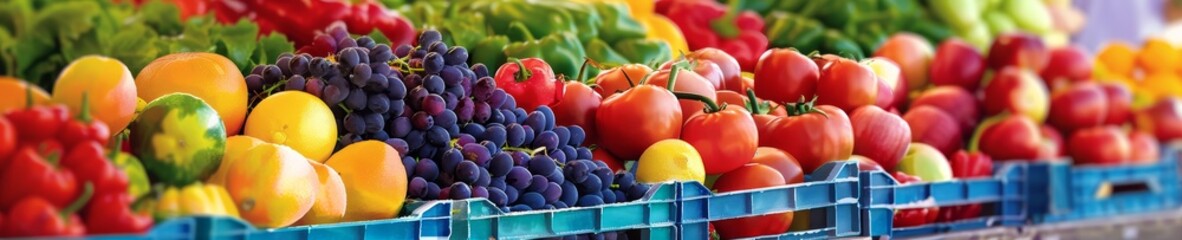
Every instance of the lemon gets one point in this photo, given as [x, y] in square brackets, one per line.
[670, 160]
[295, 119]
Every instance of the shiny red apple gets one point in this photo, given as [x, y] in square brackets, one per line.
[934, 127]
[880, 135]
[1104, 145]
[1120, 101]
[957, 64]
[1066, 65]
[1163, 119]
[1017, 49]
[1078, 106]
[1018, 91]
[1144, 149]
[955, 101]
[1011, 137]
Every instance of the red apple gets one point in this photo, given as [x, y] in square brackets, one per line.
[957, 64]
[781, 161]
[955, 101]
[1120, 100]
[1018, 49]
[1078, 106]
[704, 67]
[913, 54]
[1067, 64]
[1052, 143]
[865, 164]
[1163, 119]
[1017, 91]
[731, 73]
[785, 75]
[824, 60]
[577, 107]
[934, 127]
[1105, 145]
[1011, 137]
[751, 176]
[892, 89]
[880, 135]
[1144, 149]
[847, 84]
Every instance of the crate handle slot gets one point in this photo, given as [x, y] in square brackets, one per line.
[1109, 189]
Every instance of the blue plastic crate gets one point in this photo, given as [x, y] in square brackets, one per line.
[830, 194]
[429, 220]
[654, 215]
[882, 195]
[1058, 191]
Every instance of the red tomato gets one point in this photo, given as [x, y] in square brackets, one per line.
[531, 88]
[602, 155]
[1144, 148]
[7, 141]
[782, 162]
[825, 128]
[934, 127]
[751, 176]
[620, 78]
[1012, 137]
[731, 73]
[731, 98]
[688, 82]
[823, 61]
[955, 101]
[1163, 119]
[1105, 145]
[785, 75]
[1078, 106]
[846, 84]
[880, 135]
[1120, 100]
[705, 68]
[577, 107]
[629, 122]
[725, 138]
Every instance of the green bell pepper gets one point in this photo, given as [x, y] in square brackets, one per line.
[601, 52]
[617, 23]
[837, 43]
[644, 51]
[563, 51]
[791, 30]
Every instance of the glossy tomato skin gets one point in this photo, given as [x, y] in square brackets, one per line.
[957, 64]
[1144, 148]
[611, 161]
[785, 75]
[830, 137]
[577, 107]
[616, 79]
[782, 162]
[1120, 101]
[703, 67]
[880, 135]
[731, 73]
[934, 127]
[955, 101]
[688, 82]
[1105, 145]
[751, 176]
[846, 84]
[726, 139]
[1163, 119]
[731, 98]
[1078, 106]
[629, 122]
[1015, 137]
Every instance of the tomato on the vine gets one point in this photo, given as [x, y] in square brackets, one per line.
[847, 84]
[686, 81]
[725, 137]
[814, 135]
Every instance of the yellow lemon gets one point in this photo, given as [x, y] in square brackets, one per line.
[670, 160]
[295, 119]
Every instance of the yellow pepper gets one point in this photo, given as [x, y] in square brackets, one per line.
[195, 199]
[658, 27]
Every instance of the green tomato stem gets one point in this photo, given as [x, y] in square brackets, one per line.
[711, 106]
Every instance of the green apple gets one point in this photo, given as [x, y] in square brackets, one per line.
[925, 162]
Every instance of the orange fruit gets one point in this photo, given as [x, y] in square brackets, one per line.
[107, 85]
[1157, 56]
[375, 180]
[236, 148]
[1117, 57]
[272, 186]
[330, 201]
[296, 119]
[208, 76]
[13, 93]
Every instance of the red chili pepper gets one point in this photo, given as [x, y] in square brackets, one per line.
[111, 213]
[709, 24]
[89, 163]
[532, 88]
[35, 216]
[34, 124]
[84, 128]
[29, 175]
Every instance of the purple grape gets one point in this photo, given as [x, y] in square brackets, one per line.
[560, 205]
[467, 172]
[497, 98]
[473, 129]
[380, 136]
[299, 65]
[378, 103]
[609, 196]
[546, 139]
[637, 191]
[416, 96]
[443, 193]
[465, 109]
[497, 182]
[577, 136]
[284, 64]
[508, 116]
[536, 120]
[422, 121]
[339, 81]
[538, 183]
[500, 164]
[590, 201]
[570, 152]
[534, 200]
[510, 102]
[376, 83]
[355, 123]
[357, 99]
[484, 178]
[385, 70]
[476, 153]
[495, 116]
[465, 139]
[483, 89]
[433, 104]
[433, 84]
[398, 144]
[426, 169]
[492, 147]
[497, 196]
[413, 81]
[399, 127]
[557, 155]
[272, 74]
[529, 134]
[467, 83]
[605, 177]
[348, 56]
[520, 208]
[600, 164]
[482, 112]
[396, 89]
[521, 115]
[365, 42]
[450, 159]
[451, 76]
[519, 178]
[374, 122]
[625, 180]
[455, 92]
[591, 185]
[577, 171]
[550, 120]
[552, 193]
[570, 193]
[520, 158]
[314, 86]
[445, 118]
[258, 70]
[417, 188]
[416, 139]
[319, 67]
[432, 62]
[455, 56]
[563, 135]
[346, 42]
[380, 54]
[426, 150]
[402, 50]
[556, 177]
[511, 194]
[479, 192]
[438, 136]
[480, 70]
[361, 74]
[496, 134]
[409, 164]
[397, 108]
[428, 37]
[254, 82]
[459, 191]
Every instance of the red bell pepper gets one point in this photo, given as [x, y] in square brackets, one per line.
[34, 124]
[84, 128]
[292, 19]
[111, 213]
[913, 216]
[709, 24]
[34, 216]
[89, 163]
[29, 175]
[532, 88]
[967, 165]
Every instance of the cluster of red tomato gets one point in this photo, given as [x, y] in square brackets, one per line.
[52, 168]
